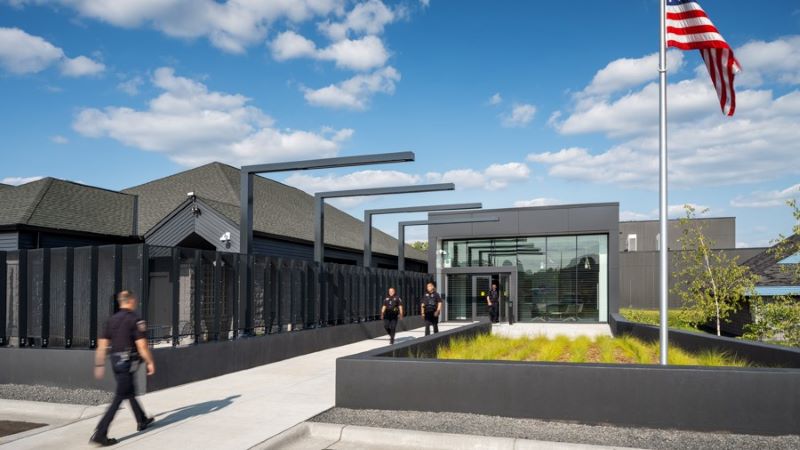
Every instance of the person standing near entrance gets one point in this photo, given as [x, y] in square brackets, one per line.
[391, 311]
[431, 308]
[493, 301]
[125, 334]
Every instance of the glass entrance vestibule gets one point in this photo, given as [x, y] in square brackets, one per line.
[549, 278]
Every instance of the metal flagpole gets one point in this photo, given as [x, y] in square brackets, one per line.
[663, 269]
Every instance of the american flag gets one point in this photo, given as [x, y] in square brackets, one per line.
[688, 28]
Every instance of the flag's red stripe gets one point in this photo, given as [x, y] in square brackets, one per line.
[693, 30]
[697, 45]
[731, 74]
[722, 90]
[686, 15]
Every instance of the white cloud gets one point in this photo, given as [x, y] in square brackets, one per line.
[193, 125]
[625, 73]
[22, 53]
[81, 66]
[369, 17]
[231, 26]
[16, 181]
[356, 92]
[363, 179]
[778, 60]
[625, 216]
[705, 147]
[539, 201]
[496, 99]
[425, 3]
[289, 45]
[364, 53]
[494, 177]
[58, 139]
[766, 199]
[131, 86]
[520, 116]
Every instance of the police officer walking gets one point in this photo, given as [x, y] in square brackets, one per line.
[493, 301]
[124, 333]
[431, 308]
[391, 311]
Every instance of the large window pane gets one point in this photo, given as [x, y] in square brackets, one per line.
[531, 276]
[588, 284]
[561, 267]
[459, 300]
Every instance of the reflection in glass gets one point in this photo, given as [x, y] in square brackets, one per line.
[558, 277]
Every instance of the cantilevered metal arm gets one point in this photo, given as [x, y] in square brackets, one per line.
[407, 209]
[319, 206]
[401, 232]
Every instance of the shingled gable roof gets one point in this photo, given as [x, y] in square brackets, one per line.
[766, 266]
[5, 186]
[64, 205]
[278, 210]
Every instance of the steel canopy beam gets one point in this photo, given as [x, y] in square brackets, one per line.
[407, 209]
[401, 233]
[246, 205]
[319, 206]
[247, 173]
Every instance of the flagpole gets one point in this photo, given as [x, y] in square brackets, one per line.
[663, 269]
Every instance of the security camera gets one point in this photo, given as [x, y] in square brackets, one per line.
[226, 237]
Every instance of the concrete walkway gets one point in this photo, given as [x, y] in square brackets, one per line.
[552, 329]
[234, 411]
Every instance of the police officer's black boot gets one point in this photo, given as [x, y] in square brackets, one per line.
[103, 441]
[143, 425]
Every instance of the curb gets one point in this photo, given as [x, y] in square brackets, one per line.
[314, 435]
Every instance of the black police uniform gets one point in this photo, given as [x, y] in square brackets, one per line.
[494, 308]
[123, 329]
[430, 302]
[391, 314]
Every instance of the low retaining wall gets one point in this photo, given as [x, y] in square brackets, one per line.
[52, 367]
[71, 368]
[755, 352]
[740, 400]
[176, 366]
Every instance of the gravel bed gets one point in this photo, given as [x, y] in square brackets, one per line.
[54, 394]
[554, 431]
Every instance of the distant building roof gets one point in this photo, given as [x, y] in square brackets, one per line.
[771, 270]
[64, 205]
[278, 210]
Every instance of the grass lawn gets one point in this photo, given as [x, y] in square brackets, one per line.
[650, 317]
[604, 349]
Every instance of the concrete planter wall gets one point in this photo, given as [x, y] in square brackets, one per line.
[755, 352]
[741, 400]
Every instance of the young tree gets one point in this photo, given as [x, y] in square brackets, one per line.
[711, 284]
[420, 245]
[778, 320]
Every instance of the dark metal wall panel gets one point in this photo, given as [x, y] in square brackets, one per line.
[206, 223]
[721, 230]
[171, 233]
[9, 241]
[58, 296]
[82, 296]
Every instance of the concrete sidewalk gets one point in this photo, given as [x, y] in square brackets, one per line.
[234, 411]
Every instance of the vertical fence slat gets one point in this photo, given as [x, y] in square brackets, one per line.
[69, 296]
[3, 297]
[45, 332]
[217, 302]
[93, 298]
[175, 278]
[198, 295]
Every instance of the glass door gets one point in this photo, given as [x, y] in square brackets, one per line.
[506, 298]
[480, 289]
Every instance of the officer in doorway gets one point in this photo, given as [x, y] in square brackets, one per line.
[493, 300]
[431, 308]
[391, 311]
[124, 333]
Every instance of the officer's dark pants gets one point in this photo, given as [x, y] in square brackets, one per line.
[431, 320]
[391, 327]
[494, 313]
[126, 390]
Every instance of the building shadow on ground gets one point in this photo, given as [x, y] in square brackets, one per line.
[167, 418]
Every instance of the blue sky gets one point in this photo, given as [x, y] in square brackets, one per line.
[518, 103]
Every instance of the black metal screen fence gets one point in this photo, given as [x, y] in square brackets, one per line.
[61, 297]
